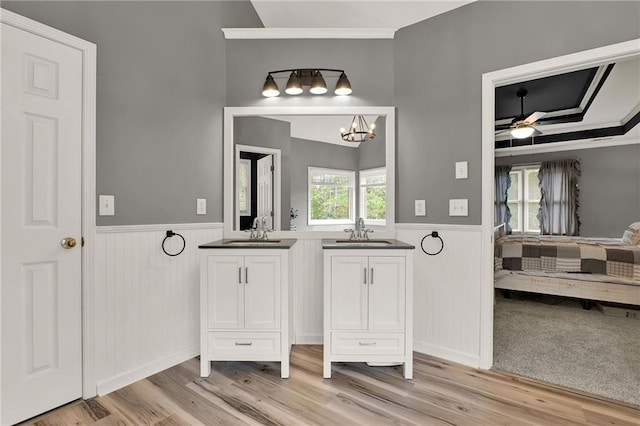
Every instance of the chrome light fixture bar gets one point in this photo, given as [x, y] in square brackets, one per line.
[311, 77]
[359, 130]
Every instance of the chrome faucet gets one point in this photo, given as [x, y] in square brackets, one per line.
[258, 230]
[361, 232]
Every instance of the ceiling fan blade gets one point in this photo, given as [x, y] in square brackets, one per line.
[535, 117]
[502, 132]
[536, 133]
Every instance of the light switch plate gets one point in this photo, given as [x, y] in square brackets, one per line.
[462, 170]
[201, 206]
[459, 207]
[106, 205]
[420, 208]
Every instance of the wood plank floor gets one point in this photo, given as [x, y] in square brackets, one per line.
[442, 393]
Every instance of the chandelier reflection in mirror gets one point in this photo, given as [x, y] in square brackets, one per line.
[311, 77]
[359, 130]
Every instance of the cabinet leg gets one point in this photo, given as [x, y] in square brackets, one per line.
[408, 368]
[205, 367]
[284, 369]
[326, 369]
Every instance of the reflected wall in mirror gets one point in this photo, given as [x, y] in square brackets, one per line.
[318, 182]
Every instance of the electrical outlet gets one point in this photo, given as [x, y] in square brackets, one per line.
[201, 206]
[106, 205]
[459, 207]
[462, 170]
[420, 208]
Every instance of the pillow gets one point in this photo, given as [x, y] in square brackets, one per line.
[632, 235]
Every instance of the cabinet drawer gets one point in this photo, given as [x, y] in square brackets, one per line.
[367, 343]
[243, 346]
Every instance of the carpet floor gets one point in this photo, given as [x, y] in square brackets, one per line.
[554, 340]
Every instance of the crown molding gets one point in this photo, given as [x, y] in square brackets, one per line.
[307, 33]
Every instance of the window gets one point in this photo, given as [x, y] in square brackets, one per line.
[373, 196]
[523, 199]
[244, 187]
[331, 196]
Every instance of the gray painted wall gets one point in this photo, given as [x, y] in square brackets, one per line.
[160, 92]
[269, 133]
[609, 186]
[372, 154]
[315, 154]
[438, 69]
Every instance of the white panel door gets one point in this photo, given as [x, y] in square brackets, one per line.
[349, 292]
[262, 292]
[265, 189]
[225, 291]
[386, 293]
[41, 205]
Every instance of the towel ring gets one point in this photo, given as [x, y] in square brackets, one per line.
[169, 235]
[434, 234]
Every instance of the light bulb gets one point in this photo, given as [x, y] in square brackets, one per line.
[522, 132]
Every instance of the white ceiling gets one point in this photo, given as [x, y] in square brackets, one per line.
[349, 14]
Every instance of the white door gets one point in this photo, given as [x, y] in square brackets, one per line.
[262, 292]
[349, 287]
[41, 205]
[386, 293]
[225, 291]
[265, 189]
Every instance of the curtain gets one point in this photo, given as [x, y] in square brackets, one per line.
[558, 213]
[501, 212]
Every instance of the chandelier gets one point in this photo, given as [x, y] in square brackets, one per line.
[359, 130]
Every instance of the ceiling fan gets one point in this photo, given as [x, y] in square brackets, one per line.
[522, 126]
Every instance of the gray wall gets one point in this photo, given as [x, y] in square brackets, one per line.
[609, 186]
[438, 69]
[367, 63]
[160, 92]
[269, 133]
[372, 154]
[315, 154]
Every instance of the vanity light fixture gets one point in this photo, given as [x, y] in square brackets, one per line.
[311, 77]
[359, 130]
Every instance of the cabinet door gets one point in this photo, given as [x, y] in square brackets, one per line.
[262, 292]
[349, 292]
[386, 293]
[225, 292]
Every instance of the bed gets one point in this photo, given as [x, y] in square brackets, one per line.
[603, 269]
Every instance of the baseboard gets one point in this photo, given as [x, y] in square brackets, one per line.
[448, 354]
[107, 386]
[309, 339]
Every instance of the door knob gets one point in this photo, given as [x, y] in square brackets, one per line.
[68, 243]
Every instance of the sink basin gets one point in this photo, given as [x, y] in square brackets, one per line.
[380, 243]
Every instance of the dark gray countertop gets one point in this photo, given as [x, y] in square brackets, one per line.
[238, 243]
[381, 244]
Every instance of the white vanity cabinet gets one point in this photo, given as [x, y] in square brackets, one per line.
[245, 305]
[368, 296]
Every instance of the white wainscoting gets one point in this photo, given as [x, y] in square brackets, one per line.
[446, 291]
[146, 303]
[307, 271]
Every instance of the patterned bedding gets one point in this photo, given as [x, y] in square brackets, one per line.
[602, 256]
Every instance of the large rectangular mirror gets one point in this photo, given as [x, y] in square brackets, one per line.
[291, 166]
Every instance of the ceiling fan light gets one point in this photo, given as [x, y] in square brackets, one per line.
[522, 132]
[270, 88]
[294, 86]
[343, 86]
[318, 85]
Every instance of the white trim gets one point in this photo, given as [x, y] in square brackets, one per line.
[438, 226]
[470, 360]
[157, 227]
[106, 386]
[567, 146]
[490, 81]
[277, 182]
[89, 55]
[228, 153]
[307, 33]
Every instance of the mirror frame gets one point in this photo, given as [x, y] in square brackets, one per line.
[229, 160]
